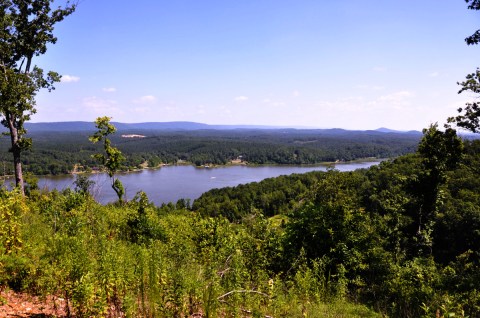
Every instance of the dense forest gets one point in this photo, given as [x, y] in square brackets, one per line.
[62, 152]
[399, 239]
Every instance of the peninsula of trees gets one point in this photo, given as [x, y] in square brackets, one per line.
[62, 151]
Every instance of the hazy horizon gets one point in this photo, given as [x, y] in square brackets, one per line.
[219, 126]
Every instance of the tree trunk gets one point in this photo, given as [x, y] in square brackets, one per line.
[16, 152]
[18, 171]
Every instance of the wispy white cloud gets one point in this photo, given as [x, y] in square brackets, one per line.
[396, 98]
[240, 98]
[69, 79]
[400, 100]
[109, 89]
[434, 74]
[295, 93]
[147, 99]
[101, 106]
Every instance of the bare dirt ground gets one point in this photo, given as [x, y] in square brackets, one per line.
[21, 305]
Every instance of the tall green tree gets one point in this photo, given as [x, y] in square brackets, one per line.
[441, 152]
[26, 28]
[112, 158]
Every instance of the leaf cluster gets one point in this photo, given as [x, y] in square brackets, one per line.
[27, 29]
[470, 114]
[32, 27]
[475, 37]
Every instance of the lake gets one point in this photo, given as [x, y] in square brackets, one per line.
[170, 183]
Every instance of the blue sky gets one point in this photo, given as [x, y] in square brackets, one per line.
[316, 63]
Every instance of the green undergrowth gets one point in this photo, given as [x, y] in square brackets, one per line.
[143, 261]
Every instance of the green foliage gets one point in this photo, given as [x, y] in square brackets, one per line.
[337, 232]
[112, 158]
[83, 184]
[440, 152]
[79, 250]
[414, 283]
[141, 226]
[12, 207]
[468, 117]
[458, 220]
[271, 196]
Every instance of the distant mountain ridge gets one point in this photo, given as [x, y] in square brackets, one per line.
[77, 126]
[174, 125]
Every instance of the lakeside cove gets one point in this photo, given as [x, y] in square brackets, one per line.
[234, 162]
[173, 182]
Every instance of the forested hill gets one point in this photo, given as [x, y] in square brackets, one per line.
[57, 150]
[70, 126]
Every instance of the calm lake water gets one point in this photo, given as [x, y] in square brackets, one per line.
[168, 184]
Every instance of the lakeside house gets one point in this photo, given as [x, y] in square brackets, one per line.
[133, 136]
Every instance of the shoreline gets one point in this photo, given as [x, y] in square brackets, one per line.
[230, 164]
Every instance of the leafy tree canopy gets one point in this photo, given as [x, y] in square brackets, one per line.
[474, 38]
